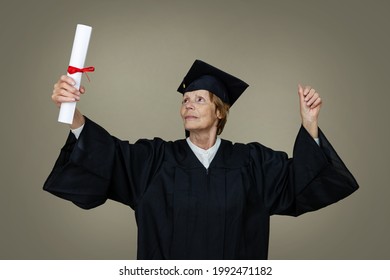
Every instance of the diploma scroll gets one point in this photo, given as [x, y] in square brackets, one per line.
[77, 59]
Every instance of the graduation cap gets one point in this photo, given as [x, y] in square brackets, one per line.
[205, 76]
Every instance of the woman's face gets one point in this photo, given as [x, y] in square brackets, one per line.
[198, 112]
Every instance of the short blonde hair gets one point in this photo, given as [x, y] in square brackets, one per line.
[223, 109]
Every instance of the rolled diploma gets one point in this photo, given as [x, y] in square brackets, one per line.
[77, 59]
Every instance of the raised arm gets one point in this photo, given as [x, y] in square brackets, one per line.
[310, 105]
[64, 91]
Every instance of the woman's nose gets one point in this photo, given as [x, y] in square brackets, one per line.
[189, 105]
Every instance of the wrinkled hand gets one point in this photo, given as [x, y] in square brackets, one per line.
[310, 105]
[64, 91]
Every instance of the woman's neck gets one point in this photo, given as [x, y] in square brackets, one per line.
[203, 141]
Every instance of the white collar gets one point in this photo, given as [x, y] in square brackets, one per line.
[205, 156]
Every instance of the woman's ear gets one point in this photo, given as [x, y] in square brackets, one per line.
[218, 113]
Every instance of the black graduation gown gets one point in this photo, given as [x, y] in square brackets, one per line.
[184, 211]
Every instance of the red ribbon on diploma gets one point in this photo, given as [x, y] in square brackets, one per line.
[72, 70]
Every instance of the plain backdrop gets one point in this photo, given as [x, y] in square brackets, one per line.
[141, 51]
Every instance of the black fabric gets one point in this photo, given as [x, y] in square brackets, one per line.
[205, 76]
[184, 211]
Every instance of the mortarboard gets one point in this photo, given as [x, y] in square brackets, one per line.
[205, 76]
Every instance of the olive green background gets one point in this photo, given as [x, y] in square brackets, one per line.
[141, 51]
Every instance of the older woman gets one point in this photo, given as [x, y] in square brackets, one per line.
[201, 197]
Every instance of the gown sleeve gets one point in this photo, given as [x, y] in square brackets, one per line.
[313, 178]
[97, 166]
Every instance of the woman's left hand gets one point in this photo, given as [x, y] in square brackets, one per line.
[310, 105]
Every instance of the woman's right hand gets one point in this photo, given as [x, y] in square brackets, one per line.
[64, 91]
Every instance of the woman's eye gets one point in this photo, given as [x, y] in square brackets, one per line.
[200, 99]
[184, 101]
